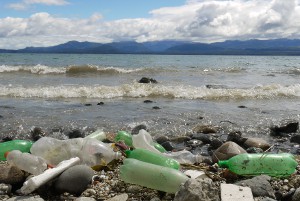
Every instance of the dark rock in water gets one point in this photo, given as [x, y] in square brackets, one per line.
[169, 146]
[206, 139]
[161, 139]
[75, 134]
[236, 136]
[147, 80]
[11, 174]
[37, 133]
[242, 106]
[259, 185]
[286, 127]
[74, 180]
[137, 129]
[180, 139]
[148, 101]
[254, 150]
[1, 116]
[216, 143]
[100, 103]
[156, 108]
[226, 151]
[206, 129]
[215, 86]
[7, 138]
[88, 104]
[194, 143]
[295, 139]
[198, 189]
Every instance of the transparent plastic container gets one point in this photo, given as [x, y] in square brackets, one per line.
[277, 165]
[22, 145]
[152, 176]
[90, 151]
[26, 161]
[99, 134]
[151, 157]
[144, 140]
[185, 157]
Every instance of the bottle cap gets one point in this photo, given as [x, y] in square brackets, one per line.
[5, 154]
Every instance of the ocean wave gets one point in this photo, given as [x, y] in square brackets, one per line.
[77, 70]
[137, 90]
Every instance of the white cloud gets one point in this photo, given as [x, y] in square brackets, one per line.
[197, 20]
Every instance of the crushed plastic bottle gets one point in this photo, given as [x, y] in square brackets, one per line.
[99, 134]
[26, 161]
[151, 176]
[185, 157]
[151, 157]
[144, 140]
[277, 165]
[22, 145]
[90, 151]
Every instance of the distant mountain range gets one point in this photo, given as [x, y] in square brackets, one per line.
[232, 47]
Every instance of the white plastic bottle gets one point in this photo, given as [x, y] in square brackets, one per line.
[27, 162]
[90, 151]
[144, 140]
[185, 157]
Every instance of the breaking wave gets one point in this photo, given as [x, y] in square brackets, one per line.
[137, 90]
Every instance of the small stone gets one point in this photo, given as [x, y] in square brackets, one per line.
[5, 189]
[75, 179]
[226, 151]
[76, 134]
[84, 199]
[134, 189]
[26, 198]
[121, 197]
[258, 143]
[206, 129]
[11, 174]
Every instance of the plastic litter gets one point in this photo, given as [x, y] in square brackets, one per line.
[144, 140]
[35, 182]
[26, 161]
[22, 145]
[185, 157]
[99, 134]
[91, 151]
[154, 158]
[277, 165]
[152, 176]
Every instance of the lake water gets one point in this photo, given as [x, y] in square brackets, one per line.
[62, 92]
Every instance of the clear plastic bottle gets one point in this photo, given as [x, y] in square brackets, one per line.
[151, 157]
[151, 176]
[144, 140]
[185, 157]
[277, 165]
[22, 145]
[26, 161]
[90, 151]
[99, 134]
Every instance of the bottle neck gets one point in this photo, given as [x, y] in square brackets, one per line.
[223, 163]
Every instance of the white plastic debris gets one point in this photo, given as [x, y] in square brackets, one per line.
[35, 182]
[193, 174]
[231, 192]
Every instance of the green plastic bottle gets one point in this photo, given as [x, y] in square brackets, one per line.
[125, 137]
[151, 176]
[276, 165]
[21, 145]
[154, 158]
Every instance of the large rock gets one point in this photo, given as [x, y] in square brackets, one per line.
[295, 138]
[11, 174]
[236, 136]
[296, 196]
[26, 198]
[259, 185]
[258, 143]
[197, 190]
[286, 127]
[74, 180]
[121, 197]
[231, 192]
[226, 151]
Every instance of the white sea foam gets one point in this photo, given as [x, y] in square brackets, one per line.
[136, 90]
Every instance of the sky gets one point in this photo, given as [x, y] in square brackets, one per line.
[38, 23]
